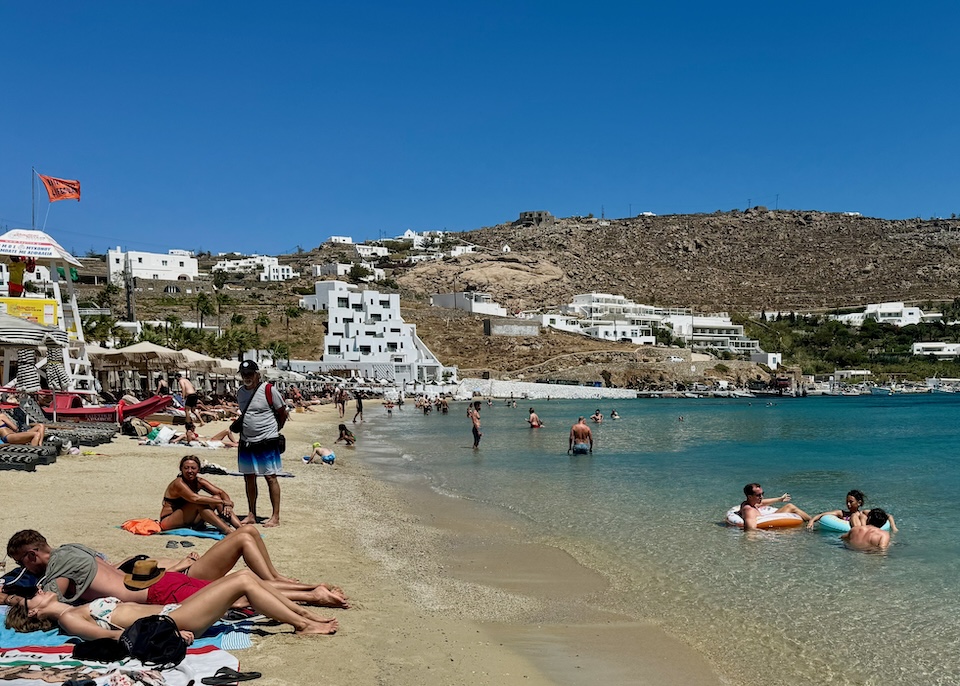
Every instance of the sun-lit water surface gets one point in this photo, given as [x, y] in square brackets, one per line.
[647, 507]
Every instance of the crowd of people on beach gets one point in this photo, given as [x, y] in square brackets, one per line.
[73, 587]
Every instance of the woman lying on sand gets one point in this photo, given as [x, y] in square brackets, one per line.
[107, 617]
[184, 506]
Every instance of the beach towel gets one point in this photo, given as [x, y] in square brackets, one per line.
[149, 527]
[45, 665]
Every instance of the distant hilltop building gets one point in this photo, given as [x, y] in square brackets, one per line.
[342, 240]
[269, 268]
[174, 265]
[895, 313]
[469, 301]
[535, 218]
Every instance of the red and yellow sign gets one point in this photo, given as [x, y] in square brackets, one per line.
[37, 310]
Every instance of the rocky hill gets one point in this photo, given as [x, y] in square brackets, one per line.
[731, 261]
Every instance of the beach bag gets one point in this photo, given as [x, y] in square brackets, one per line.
[141, 527]
[134, 426]
[155, 641]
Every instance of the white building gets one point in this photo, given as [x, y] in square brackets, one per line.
[338, 269]
[424, 239]
[175, 265]
[469, 301]
[895, 313]
[268, 268]
[615, 318]
[343, 240]
[458, 250]
[367, 336]
[939, 349]
[365, 252]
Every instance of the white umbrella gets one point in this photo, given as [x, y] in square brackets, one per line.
[144, 352]
[35, 244]
[198, 361]
[21, 332]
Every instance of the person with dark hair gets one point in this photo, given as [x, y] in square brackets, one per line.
[473, 412]
[184, 505]
[870, 535]
[108, 617]
[534, 420]
[346, 435]
[853, 514]
[78, 574]
[581, 438]
[750, 508]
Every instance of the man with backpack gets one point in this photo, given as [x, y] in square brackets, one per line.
[263, 414]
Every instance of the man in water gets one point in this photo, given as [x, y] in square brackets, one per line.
[474, 413]
[597, 416]
[581, 438]
[870, 536]
[533, 420]
[750, 508]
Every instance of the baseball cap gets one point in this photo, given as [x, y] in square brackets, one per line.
[248, 367]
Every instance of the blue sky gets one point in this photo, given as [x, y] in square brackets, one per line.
[264, 126]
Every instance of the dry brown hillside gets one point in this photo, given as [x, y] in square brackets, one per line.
[732, 261]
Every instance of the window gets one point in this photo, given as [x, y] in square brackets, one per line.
[343, 302]
[163, 263]
[334, 349]
[139, 260]
[116, 260]
[376, 317]
[391, 347]
[384, 303]
[181, 263]
[365, 350]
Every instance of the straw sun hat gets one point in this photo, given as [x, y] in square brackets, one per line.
[145, 574]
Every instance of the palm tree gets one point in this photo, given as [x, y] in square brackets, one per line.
[260, 320]
[292, 312]
[205, 307]
[237, 319]
[278, 350]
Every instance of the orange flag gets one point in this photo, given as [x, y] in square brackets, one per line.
[61, 189]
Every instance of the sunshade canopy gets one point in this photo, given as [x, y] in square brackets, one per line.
[35, 244]
[22, 332]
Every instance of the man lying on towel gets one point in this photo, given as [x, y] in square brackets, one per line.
[78, 574]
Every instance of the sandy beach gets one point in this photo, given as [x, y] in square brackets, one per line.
[444, 591]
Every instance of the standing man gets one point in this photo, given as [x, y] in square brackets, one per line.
[259, 451]
[474, 413]
[190, 400]
[359, 400]
[581, 438]
[533, 420]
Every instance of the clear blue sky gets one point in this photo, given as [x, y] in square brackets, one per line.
[263, 126]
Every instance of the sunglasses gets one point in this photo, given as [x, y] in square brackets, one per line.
[757, 495]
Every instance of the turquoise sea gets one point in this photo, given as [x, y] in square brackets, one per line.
[646, 508]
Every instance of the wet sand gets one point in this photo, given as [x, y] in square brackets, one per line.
[444, 591]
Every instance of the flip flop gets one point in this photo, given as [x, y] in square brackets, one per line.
[172, 544]
[186, 544]
[225, 676]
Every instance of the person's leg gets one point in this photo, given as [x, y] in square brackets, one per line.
[790, 507]
[198, 612]
[250, 484]
[273, 486]
[244, 543]
[188, 515]
[210, 516]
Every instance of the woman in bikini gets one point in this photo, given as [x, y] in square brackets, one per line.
[9, 432]
[853, 513]
[183, 505]
[108, 617]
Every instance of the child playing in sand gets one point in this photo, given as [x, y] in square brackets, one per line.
[346, 435]
[320, 455]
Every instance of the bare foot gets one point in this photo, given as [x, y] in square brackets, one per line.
[249, 519]
[320, 626]
[271, 523]
[326, 597]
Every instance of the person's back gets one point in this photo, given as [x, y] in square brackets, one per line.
[870, 536]
[581, 438]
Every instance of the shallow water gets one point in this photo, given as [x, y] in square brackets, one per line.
[646, 509]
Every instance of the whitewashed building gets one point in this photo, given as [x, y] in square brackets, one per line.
[342, 240]
[469, 301]
[174, 265]
[267, 268]
[939, 349]
[339, 269]
[366, 252]
[367, 337]
[895, 313]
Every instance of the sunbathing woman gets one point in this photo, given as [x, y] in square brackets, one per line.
[107, 617]
[184, 506]
[853, 514]
[9, 432]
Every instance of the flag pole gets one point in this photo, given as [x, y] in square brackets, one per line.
[33, 197]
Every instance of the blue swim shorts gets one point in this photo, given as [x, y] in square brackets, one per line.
[581, 448]
[260, 462]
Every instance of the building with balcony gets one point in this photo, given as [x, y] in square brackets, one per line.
[367, 337]
[895, 313]
[174, 265]
[266, 268]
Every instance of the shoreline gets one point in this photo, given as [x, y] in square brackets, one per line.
[445, 591]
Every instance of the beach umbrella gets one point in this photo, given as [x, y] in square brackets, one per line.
[145, 354]
[35, 244]
[198, 361]
[15, 331]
